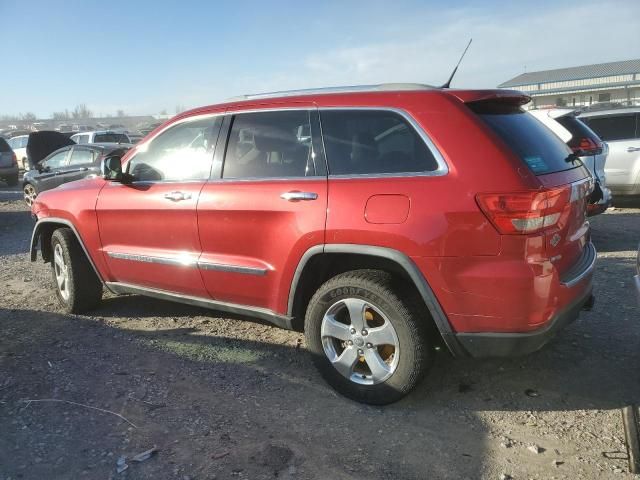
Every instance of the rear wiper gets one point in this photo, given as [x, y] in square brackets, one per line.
[572, 157]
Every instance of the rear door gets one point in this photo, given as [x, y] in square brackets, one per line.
[620, 131]
[149, 227]
[266, 207]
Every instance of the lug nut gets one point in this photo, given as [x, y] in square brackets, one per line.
[369, 345]
[360, 352]
[350, 342]
[353, 331]
[364, 332]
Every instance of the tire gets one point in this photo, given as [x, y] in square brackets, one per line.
[378, 297]
[79, 289]
[29, 193]
[12, 181]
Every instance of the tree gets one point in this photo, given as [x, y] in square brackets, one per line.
[120, 113]
[81, 111]
[28, 117]
[163, 111]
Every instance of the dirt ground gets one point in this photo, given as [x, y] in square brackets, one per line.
[230, 398]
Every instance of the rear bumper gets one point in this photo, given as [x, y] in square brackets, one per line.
[577, 282]
[8, 172]
[481, 345]
[602, 205]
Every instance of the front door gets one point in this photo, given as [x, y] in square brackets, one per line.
[149, 227]
[51, 168]
[265, 209]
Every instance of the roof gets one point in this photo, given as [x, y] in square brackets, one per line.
[611, 111]
[575, 73]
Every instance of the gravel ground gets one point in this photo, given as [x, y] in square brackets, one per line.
[229, 398]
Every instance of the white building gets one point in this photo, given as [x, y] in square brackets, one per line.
[614, 82]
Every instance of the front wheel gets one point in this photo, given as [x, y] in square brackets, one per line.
[78, 288]
[368, 340]
[29, 193]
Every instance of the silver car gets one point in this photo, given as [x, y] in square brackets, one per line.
[620, 128]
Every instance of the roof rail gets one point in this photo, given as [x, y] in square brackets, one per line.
[328, 90]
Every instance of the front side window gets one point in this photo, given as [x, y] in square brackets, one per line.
[183, 152]
[80, 156]
[613, 127]
[269, 145]
[57, 160]
[373, 142]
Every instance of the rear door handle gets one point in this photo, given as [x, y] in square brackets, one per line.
[298, 196]
[633, 149]
[177, 196]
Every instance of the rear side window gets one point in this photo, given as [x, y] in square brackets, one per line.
[373, 142]
[613, 127]
[269, 145]
[110, 138]
[539, 148]
[4, 146]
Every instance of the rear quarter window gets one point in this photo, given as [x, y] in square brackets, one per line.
[539, 148]
[110, 138]
[614, 127]
[578, 130]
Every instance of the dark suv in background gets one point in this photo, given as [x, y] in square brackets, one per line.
[8, 164]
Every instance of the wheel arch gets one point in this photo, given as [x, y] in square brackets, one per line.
[322, 262]
[42, 233]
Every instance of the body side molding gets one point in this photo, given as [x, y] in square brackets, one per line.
[438, 315]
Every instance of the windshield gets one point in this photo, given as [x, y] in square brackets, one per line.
[110, 138]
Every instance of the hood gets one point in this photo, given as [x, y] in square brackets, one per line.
[41, 144]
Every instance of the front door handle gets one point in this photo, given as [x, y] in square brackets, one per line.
[177, 196]
[633, 149]
[298, 196]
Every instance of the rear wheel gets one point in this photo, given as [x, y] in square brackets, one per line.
[30, 194]
[78, 288]
[368, 340]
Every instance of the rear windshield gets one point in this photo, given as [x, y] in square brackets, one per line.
[4, 146]
[541, 150]
[110, 138]
[578, 131]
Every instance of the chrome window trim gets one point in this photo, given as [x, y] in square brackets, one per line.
[188, 261]
[443, 168]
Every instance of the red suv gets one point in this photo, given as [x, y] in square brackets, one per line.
[381, 220]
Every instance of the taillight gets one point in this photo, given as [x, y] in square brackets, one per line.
[587, 146]
[525, 212]
[14, 159]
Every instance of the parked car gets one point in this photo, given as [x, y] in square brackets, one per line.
[100, 136]
[66, 164]
[636, 279]
[382, 221]
[620, 128]
[8, 164]
[19, 146]
[135, 137]
[584, 143]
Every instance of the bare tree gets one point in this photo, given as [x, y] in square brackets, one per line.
[81, 111]
[180, 109]
[163, 111]
[120, 113]
[28, 117]
[61, 115]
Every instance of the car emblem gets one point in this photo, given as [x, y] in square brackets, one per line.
[555, 240]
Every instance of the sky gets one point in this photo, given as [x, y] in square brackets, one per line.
[143, 56]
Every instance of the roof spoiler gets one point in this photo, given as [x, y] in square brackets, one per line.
[512, 97]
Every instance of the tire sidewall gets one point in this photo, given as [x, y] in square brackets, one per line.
[402, 379]
[58, 239]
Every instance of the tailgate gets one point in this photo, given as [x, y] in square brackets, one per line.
[566, 240]
[6, 159]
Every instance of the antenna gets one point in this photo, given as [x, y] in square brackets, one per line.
[448, 84]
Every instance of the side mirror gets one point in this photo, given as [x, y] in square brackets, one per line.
[111, 168]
